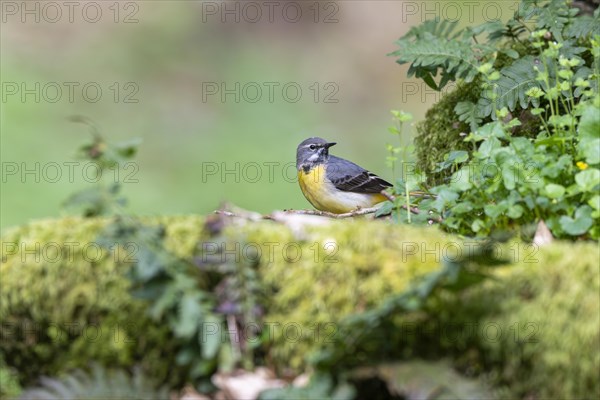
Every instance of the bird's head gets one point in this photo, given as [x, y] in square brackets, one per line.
[312, 151]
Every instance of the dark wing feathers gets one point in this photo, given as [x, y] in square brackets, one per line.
[349, 177]
[366, 182]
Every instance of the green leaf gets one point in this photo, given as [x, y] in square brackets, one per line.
[589, 131]
[444, 196]
[468, 112]
[554, 191]
[453, 158]
[477, 225]
[385, 209]
[209, 336]
[580, 224]
[590, 150]
[487, 147]
[495, 210]
[511, 53]
[149, 263]
[491, 130]
[166, 300]
[462, 207]
[594, 202]
[461, 180]
[515, 211]
[553, 15]
[588, 180]
[561, 120]
[128, 148]
[435, 47]
[189, 316]
[512, 87]
[509, 176]
[583, 25]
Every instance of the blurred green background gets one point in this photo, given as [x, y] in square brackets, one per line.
[169, 52]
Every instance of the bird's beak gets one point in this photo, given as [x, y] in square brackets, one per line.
[328, 145]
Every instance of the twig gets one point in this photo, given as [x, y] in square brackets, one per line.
[353, 213]
[388, 196]
[240, 213]
[392, 198]
[225, 213]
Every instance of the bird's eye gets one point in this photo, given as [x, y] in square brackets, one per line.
[312, 147]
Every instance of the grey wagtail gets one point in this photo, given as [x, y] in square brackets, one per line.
[333, 184]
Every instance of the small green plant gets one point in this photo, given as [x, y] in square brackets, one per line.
[406, 184]
[198, 298]
[502, 179]
[435, 47]
[110, 160]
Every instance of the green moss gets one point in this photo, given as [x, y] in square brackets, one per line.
[314, 276]
[550, 315]
[9, 381]
[65, 300]
[345, 268]
[532, 332]
[440, 132]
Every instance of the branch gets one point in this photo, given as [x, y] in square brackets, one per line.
[230, 210]
[353, 213]
[392, 198]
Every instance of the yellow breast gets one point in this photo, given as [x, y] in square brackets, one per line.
[324, 196]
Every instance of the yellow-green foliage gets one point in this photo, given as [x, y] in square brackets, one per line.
[9, 381]
[65, 301]
[534, 330]
[345, 268]
[557, 295]
[314, 276]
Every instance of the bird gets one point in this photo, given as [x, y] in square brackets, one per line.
[333, 184]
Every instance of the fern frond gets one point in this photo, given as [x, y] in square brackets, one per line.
[435, 27]
[437, 48]
[554, 16]
[99, 384]
[515, 80]
[584, 26]
[431, 55]
[496, 30]
[468, 112]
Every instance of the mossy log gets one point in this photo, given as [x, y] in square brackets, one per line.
[66, 300]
